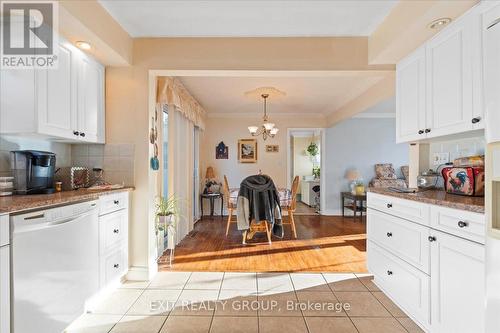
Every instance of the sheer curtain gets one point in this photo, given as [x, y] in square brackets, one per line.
[184, 114]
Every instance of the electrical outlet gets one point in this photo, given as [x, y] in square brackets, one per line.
[440, 158]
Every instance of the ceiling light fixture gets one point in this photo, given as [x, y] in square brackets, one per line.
[83, 45]
[267, 128]
[439, 23]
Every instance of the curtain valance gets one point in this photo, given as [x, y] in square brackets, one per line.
[173, 93]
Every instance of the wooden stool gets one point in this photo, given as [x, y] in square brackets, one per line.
[255, 227]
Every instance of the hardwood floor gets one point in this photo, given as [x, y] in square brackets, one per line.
[303, 209]
[324, 244]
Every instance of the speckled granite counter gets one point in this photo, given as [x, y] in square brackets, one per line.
[438, 197]
[19, 203]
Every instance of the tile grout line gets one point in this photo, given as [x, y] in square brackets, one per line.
[395, 318]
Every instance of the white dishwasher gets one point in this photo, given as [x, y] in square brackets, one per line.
[55, 266]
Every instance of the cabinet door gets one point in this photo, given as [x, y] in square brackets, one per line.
[410, 97]
[4, 289]
[449, 80]
[91, 100]
[491, 30]
[56, 96]
[457, 284]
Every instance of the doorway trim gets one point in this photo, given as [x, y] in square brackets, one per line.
[322, 164]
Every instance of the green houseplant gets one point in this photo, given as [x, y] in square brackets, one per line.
[312, 149]
[167, 212]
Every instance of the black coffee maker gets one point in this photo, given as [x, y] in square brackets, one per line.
[33, 171]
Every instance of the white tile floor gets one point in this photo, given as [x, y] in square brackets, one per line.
[185, 302]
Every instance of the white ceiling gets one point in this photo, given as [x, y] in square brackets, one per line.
[257, 18]
[304, 95]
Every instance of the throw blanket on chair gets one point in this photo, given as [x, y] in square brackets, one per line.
[259, 200]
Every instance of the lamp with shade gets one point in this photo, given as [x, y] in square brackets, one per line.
[354, 178]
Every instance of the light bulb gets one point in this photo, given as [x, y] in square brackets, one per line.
[274, 131]
[268, 126]
[253, 129]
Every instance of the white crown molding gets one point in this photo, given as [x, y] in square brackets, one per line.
[259, 115]
[375, 115]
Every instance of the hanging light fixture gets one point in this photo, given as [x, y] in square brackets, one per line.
[266, 129]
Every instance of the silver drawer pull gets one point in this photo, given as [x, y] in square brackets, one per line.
[389, 205]
[432, 238]
[389, 272]
[462, 224]
[389, 234]
[116, 265]
[116, 202]
[116, 231]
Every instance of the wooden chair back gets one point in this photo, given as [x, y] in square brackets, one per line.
[227, 193]
[295, 188]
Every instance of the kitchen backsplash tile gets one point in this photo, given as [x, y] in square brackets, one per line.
[9, 143]
[117, 160]
[457, 148]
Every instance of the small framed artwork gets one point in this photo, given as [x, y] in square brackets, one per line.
[247, 150]
[221, 151]
[272, 148]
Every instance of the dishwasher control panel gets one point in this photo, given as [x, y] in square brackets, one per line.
[52, 215]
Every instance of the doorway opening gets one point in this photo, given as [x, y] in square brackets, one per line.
[305, 156]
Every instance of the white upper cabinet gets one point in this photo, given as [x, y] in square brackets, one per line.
[410, 97]
[56, 96]
[65, 104]
[91, 101]
[446, 97]
[449, 80]
[491, 71]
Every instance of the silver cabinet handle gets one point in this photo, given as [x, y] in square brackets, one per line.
[116, 265]
[462, 224]
[389, 272]
[432, 238]
[389, 205]
[116, 231]
[389, 234]
[116, 202]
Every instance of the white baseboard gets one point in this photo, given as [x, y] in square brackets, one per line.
[142, 273]
[336, 212]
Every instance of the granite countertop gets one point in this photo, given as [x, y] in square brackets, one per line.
[438, 197]
[19, 203]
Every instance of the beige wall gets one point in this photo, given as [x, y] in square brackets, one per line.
[302, 164]
[230, 130]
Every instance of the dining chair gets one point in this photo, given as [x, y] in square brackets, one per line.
[292, 205]
[231, 206]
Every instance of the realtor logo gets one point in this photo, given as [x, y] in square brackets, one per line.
[29, 36]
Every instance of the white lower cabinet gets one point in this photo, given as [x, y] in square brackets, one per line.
[406, 285]
[113, 238]
[4, 274]
[5, 288]
[457, 285]
[432, 267]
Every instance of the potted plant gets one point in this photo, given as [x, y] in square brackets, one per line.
[312, 149]
[167, 212]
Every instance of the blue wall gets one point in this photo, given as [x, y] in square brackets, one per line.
[359, 143]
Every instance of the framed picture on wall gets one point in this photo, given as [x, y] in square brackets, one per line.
[221, 151]
[247, 150]
[272, 148]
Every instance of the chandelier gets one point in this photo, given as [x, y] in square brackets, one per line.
[267, 128]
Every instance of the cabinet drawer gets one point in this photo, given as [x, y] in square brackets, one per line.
[4, 230]
[406, 209]
[404, 284]
[113, 202]
[113, 266]
[407, 240]
[112, 230]
[461, 223]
